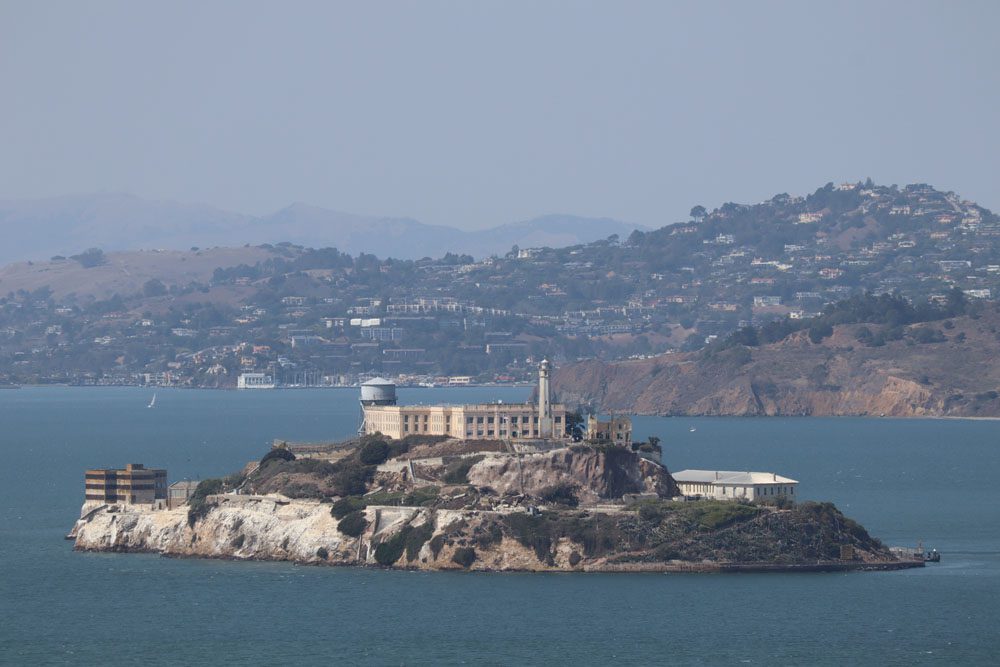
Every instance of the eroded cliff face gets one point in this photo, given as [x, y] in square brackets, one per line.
[839, 376]
[596, 474]
[303, 531]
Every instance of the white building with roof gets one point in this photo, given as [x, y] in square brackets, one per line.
[733, 485]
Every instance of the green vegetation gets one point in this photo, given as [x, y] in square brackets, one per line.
[563, 494]
[715, 514]
[416, 538]
[596, 533]
[388, 552]
[458, 472]
[198, 506]
[889, 310]
[277, 454]
[422, 496]
[310, 478]
[374, 453]
[464, 556]
[353, 524]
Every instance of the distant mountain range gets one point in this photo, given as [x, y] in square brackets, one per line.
[41, 228]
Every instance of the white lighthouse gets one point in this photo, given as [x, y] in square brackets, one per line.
[545, 426]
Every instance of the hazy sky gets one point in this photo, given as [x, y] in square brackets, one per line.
[478, 113]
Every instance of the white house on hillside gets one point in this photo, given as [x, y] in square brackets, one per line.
[731, 485]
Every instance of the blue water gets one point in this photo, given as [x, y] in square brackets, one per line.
[934, 480]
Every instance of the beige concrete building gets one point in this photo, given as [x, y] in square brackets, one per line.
[464, 422]
[511, 421]
[617, 430]
[178, 493]
[135, 485]
[731, 485]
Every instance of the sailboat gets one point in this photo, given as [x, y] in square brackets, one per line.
[152, 403]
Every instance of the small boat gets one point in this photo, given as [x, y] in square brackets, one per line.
[152, 403]
[692, 429]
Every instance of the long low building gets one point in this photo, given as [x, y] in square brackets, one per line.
[489, 421]
[734, 485]
[464, 422]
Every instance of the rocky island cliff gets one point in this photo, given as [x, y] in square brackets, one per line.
[578, 508]
[930, 369]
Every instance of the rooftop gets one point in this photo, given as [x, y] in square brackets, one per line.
[730, 477]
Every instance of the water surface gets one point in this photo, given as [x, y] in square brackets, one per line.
[934, 480]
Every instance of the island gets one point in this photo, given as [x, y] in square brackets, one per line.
[494, 486]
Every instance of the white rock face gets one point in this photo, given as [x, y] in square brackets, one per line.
[275, 528]
[236, 527]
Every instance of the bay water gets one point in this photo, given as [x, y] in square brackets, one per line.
[904, 480]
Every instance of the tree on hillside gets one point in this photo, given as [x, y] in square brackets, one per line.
[698, 212]
[153, 287]
[90, 258]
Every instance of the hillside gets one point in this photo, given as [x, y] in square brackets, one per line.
[943, 368]
[125, 273]
[301, 314]
[37, 229]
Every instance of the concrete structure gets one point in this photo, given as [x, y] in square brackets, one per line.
[135, 485]
[490, 421]
[545, 420]
[254, 381]
[179, 493]
[731, 485]
[617, 430]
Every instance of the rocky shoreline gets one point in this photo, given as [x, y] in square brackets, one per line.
[306, 532]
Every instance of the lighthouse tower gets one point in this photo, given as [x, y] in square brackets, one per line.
[545, 426]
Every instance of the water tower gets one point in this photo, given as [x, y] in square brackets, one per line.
[377, 391]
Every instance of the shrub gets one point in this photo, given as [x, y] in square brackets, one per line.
[489, 534]
[388, 552]
[563, 493]
[458, 472]
[277, 454]
[437, 542]
[532, 532]
[206, 487]
[353, 524]
[374, 453]
[712, 515]
[928, 335]
[464, 556]
[415, 539]
[302, 490]
[345, 506]
[351, 478]
[322, 553]
[651, 512]
[422, 496]
[90, 258]
[819, 331]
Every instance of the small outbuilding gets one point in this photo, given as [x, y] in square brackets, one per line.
[178, 493]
